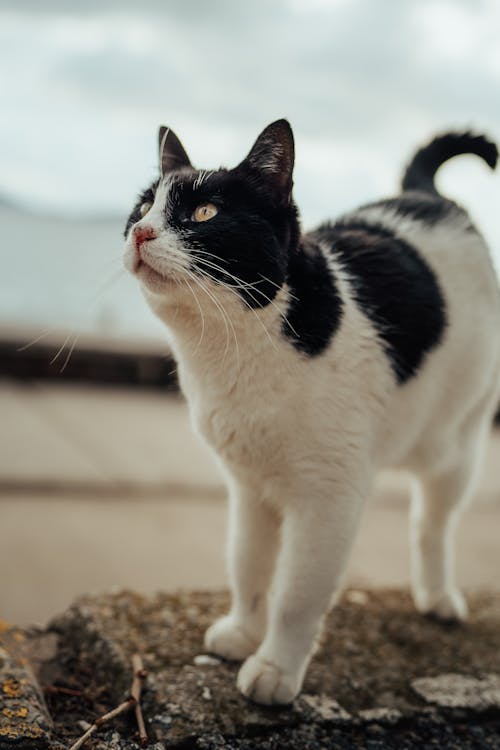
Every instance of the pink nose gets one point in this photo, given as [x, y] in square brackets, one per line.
[143, 234]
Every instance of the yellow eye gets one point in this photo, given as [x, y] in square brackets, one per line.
[144, 208]
[204, 212]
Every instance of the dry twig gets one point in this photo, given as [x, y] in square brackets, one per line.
[133, 701]
[139, 675]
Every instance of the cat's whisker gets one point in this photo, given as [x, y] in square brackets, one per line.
[231, 288]
[278, 286]
[178, 262]
[225, 315]
[38, 338]
[222, 313]
[106, 284]
[242, 285]
[53, 329]
[180, 266]
[252, 285]
[68, 356]
[239, 282]
[201, 316]
[233, 291]
[246, 284]
[89, 303]
[61, 348]
[227, 320]
[255, 312]
[110, 265]
[203, 175]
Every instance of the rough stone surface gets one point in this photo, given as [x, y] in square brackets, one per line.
[325, 708]
[457, 691]
[384, 678]
[24, 719]
[380, 715]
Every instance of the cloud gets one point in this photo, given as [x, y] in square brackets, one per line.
[363, 83]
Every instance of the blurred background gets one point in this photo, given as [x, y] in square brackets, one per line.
[101, 482]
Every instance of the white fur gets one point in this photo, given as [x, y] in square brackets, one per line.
[301, 439]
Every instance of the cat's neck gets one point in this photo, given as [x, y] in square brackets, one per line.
[215, 338]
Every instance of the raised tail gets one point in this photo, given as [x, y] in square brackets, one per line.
[419, 175]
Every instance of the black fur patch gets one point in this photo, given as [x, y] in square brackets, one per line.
[315, 309]
[396, 290]
[428, 208]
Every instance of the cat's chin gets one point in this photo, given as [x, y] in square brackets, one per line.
[154, 281]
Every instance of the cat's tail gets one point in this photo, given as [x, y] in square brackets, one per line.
[419, 174]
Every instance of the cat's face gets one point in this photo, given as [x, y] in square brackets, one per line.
[225, 228]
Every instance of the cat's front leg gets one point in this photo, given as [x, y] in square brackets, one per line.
[252, 549]
[317, 537]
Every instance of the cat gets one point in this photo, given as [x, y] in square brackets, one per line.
[311, 361]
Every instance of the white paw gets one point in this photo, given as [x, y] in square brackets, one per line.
[228, 639]
[448, 606]
[264, 682]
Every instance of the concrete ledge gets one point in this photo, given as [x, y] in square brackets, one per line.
[384, 678]
[29, 355]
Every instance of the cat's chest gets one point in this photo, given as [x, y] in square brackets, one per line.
[241, 433]
[239, 424]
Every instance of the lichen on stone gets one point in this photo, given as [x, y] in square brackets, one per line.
[11, 688]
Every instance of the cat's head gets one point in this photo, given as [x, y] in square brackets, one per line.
[224, 228]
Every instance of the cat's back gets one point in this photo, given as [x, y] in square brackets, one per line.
[417, 263]
[421, 273]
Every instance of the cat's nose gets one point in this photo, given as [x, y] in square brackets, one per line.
[142, 234]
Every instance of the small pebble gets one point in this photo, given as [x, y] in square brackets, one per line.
[357, 597]
[204, 660]
[163, 719]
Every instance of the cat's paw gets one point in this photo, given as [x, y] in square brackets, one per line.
[446, 606]
[228, 639]
[264, 682]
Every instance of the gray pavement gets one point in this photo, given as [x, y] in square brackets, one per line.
[104, 488]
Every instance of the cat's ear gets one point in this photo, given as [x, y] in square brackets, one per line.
[171, 151]
[272, 158]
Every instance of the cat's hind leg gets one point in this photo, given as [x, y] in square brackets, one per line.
[438, 500]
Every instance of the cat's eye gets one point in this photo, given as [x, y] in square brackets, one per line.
[204, 212]
[144, 208]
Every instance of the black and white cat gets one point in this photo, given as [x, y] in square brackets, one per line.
[311, 361]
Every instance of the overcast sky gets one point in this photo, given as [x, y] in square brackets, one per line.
[84, 85]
